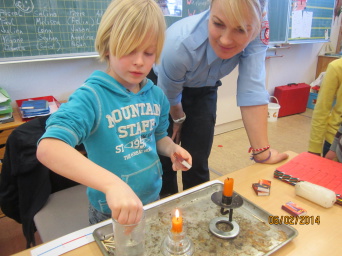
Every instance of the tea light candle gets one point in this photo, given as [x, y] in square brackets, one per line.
[228, 187]
[177, 223]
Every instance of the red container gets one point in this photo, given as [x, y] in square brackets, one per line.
[292, 98]
[53, 103]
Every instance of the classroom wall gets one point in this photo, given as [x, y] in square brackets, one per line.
[58, 78]
[297, 65]
[61, 77]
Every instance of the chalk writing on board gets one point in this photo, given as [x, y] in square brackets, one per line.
[25, 6]
[46, 39]
[40, 27]
[195, 7]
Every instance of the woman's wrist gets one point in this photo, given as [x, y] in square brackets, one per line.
[261, 157]
[256, 150]
[179, 120]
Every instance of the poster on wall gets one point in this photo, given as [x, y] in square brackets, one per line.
[171, 7]
[301, 20]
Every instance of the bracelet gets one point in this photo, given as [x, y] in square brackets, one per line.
[258, 149]
[261, 161]
[254, 154]
[180, 120]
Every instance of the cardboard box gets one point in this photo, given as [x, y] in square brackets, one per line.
[262, 188]
[293, 209]
[292, 98]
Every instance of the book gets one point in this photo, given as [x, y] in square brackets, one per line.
[32, 108]
[6, 109]
[5, 103]
[293, 209]
[6, 118]
[4, 97]
[34, 114]
[35, 105]
[315, 169]
[30, 112]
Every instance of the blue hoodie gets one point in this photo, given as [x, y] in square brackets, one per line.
[119, 130]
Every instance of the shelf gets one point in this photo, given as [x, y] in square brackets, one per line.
[273, 56]
[272, 51]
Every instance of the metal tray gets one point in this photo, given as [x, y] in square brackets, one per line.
[256, 236]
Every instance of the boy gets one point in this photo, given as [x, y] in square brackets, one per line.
[119, 116]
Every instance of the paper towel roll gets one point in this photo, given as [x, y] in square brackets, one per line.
[315, 193]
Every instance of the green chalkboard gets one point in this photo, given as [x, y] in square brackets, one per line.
[300, 21]
[45, 29]
[278, 16]
[40, 28]
[317, 15]
[189, 8]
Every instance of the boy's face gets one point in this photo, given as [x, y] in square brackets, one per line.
[225, 39]
[131, 69]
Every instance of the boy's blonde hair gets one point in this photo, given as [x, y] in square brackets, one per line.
[235, 11]
[129, 24]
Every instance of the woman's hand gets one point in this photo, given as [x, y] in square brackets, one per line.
[176, 113]
[273, 155]
[176, 134]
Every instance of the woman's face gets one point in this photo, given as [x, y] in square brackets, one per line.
[225, 39]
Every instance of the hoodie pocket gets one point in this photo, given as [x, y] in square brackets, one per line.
[146, 183]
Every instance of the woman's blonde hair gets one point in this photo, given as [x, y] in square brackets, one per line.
[129, 24]
[235, 11]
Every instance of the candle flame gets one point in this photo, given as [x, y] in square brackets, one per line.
[177, 213]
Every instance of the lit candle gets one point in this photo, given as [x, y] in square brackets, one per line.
[177, 223]
[228, 187]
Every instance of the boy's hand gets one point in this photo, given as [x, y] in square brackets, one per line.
[125, 205]
[181, 160]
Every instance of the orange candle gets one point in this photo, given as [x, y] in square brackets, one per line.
[228, 187]
[177, 223]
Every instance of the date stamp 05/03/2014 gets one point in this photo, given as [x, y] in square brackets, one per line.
[294, 220]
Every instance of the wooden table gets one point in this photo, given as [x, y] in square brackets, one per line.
[322, 239]
[313, 239]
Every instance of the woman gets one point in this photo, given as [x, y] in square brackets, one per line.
[198, 51]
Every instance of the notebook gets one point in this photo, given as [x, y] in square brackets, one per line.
[35, 105]
[314, 169]
[32, 108]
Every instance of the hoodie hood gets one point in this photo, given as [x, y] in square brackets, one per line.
[100, 78]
